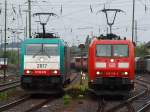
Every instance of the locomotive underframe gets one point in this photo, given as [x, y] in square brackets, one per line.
[111, 86]
[42, 84]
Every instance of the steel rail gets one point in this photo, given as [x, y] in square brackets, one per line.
[101, 105]
[145, 107]
[130, 100]
[38, 106]
[9, 83]
[13, 104]
[130, 107]
[9, 87]
[144, 81]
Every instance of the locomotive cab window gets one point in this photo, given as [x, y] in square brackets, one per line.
[103, 50]
[114, 50]
[120, 50]
[42, 49]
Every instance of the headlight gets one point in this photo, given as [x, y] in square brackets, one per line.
[100, 65]
[123, 65]
[124, 73]
[55, 71]
[99, 73]
[41, 59]
[28, 71]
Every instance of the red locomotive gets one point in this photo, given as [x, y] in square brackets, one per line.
[111, 66]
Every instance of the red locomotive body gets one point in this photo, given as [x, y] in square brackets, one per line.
[111, 66]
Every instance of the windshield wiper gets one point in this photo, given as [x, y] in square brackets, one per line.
[42, 51]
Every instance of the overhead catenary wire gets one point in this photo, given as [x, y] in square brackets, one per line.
[71, 15]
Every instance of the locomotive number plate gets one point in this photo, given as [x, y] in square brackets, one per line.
[112, 65]
[41, 66]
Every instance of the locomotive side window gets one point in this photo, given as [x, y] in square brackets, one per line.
[103, 50]
[38, 49]
[120, 50]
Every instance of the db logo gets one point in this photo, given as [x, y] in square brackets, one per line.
[112, 65]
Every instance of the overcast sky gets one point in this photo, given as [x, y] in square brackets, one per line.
[79, 18]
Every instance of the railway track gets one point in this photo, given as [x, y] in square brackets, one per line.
[144, 81]
[17, 103]
[26, 100]
[38, 106]
[101, 105]
[14, 103]
[5, 84]
[10, 85]
[9, 76]
[72, 81]
[130, 107]
[128, 103]
[146, 105]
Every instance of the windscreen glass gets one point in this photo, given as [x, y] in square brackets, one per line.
[112, 50]
[42, 49]
[103, 50]
[120, 50]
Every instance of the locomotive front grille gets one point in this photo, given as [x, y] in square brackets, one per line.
[41, 83]
[112, 81]
[112, 73]
[42, 80]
